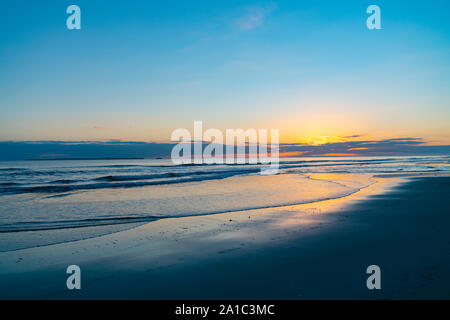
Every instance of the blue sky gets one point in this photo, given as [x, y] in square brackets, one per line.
[137, 70]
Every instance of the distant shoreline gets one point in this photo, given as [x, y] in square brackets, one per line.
[62, 159]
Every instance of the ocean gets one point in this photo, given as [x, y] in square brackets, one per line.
[53, 201]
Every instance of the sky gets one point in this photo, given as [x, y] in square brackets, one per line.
[137, 70]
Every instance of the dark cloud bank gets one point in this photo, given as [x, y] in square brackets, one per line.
[121, 149]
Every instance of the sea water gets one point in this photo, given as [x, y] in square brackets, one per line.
[46, 202]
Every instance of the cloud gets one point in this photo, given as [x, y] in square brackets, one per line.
[255, 16]
[387, 147]
[136, 149]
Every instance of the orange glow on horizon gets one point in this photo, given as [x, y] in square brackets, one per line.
[336, 155]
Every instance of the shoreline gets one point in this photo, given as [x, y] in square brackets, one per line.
[303, 189]
[140, 259]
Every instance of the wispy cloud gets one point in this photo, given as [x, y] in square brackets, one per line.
[95, 127]
[255, 16]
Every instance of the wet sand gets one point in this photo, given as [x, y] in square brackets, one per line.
[313, 251]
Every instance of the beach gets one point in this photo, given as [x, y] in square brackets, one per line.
[315, 250]
[242, 151]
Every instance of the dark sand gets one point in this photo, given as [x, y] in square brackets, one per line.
[405, 231]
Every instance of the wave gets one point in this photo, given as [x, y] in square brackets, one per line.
[12, 169]
[350, 161]
[134, 177]
[71, 224]
[65, 181]
[109, 185]
[171, 175]
[7, 184]
[105, 221]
